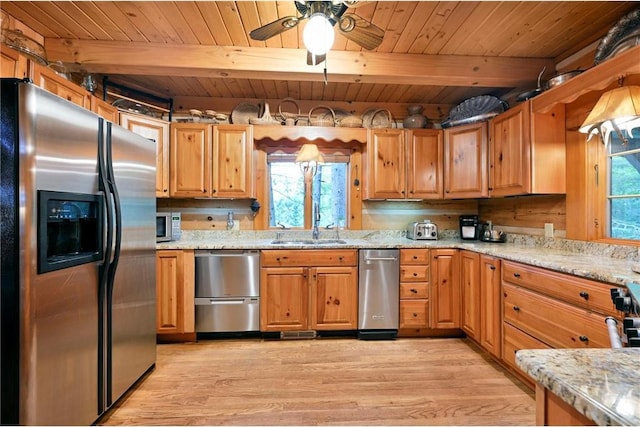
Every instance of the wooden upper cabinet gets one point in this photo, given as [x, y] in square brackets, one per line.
[158, 131]
[509, 160]
[190, 153]
[52, 82]
[104, 109]
[465, 161]
[211, 161]
[385, 164]
[12, 64]
[527, 152]
[232, 161]
[425, 159]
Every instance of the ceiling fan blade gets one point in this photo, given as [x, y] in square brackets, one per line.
[275, 28]
[361, 31]
[315, 59]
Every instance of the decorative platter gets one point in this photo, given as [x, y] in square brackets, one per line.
[625, 32]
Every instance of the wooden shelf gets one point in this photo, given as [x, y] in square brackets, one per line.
[309, 133]
[596, 78]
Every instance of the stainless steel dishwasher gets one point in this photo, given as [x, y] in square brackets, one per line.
[227, 291]
[379, 293]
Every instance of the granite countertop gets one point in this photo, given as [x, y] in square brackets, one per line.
[602, 384]
[605, 263]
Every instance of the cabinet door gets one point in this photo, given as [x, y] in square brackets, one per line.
[334, 298]
[175, 310]
[12, 64]
[385, 164]
[465, 161]
[490, 311]
[232, 161]
[471, 300]
[424, 164]
[104, 109]
[445, 289]
[190, 160]
[510, 152]
[50, 81]
[284, 299]
[157, 131]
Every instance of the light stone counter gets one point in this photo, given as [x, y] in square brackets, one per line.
[601, 384]
[606, 263]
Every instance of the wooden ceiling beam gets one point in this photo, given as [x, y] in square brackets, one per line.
[117, 57]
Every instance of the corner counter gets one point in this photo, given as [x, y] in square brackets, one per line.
[601, 384]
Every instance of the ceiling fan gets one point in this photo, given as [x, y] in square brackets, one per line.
[324, 14]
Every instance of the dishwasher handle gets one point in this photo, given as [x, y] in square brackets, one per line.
[369, 259]
[225, 301]
[224, 253]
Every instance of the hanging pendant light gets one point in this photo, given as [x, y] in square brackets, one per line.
[617, 110]
[308, 159]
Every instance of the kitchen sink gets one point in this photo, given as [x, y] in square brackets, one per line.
[304, 242]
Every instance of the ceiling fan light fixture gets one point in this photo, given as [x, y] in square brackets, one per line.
[318, 35]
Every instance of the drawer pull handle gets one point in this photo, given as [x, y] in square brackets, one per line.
[516, 274]
[584, 295]
[415, 274]
[516, 308]
[492, 267]
[415, 314]
[340, 258]
[414, 291]
[415, 257]
[584, 338]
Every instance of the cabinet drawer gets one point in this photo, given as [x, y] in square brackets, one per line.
[414, 290]
[574, 290]
[554, 322]
[414, 313]
[308, 257]
[414, 273]
[414, 256]
[514, 340]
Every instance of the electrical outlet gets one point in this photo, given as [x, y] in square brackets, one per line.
[548, 229]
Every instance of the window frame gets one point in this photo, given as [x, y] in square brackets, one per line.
[354, 149]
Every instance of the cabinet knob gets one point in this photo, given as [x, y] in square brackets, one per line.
[340, 258]
[415, 274]
[492, 267]
[213, 191]
[584, 338]
[204, 190]
[584, 295]
[165, 190]
[415, 257]
[278, 259]
[414, 291]
[415, 314]
[516, 308]
[516, 274]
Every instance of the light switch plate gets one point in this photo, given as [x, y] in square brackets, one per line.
[548, 229]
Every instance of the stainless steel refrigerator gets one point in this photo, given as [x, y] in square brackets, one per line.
[77, 295]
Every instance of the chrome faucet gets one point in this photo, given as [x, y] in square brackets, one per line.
[315, 234]
[230, 220]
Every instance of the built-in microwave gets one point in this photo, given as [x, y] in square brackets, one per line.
[168, 226]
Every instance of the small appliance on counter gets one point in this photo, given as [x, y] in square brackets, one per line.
[422, 230]
[489, 234]
[469, 227]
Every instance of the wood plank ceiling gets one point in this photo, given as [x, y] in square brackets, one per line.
[433, 52]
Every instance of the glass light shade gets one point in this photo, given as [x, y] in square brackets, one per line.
[614, 108]
[309, 155]
[318, 34]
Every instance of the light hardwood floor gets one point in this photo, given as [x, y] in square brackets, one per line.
[325, 381]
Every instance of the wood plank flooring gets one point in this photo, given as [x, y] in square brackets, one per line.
[325, 382]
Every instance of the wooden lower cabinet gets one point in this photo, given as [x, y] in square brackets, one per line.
[545, 309]
[414, 292]
[445, 289]
[175, 285]
[296, 297]
[490, 305]
[551, 410]
[471, 296]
